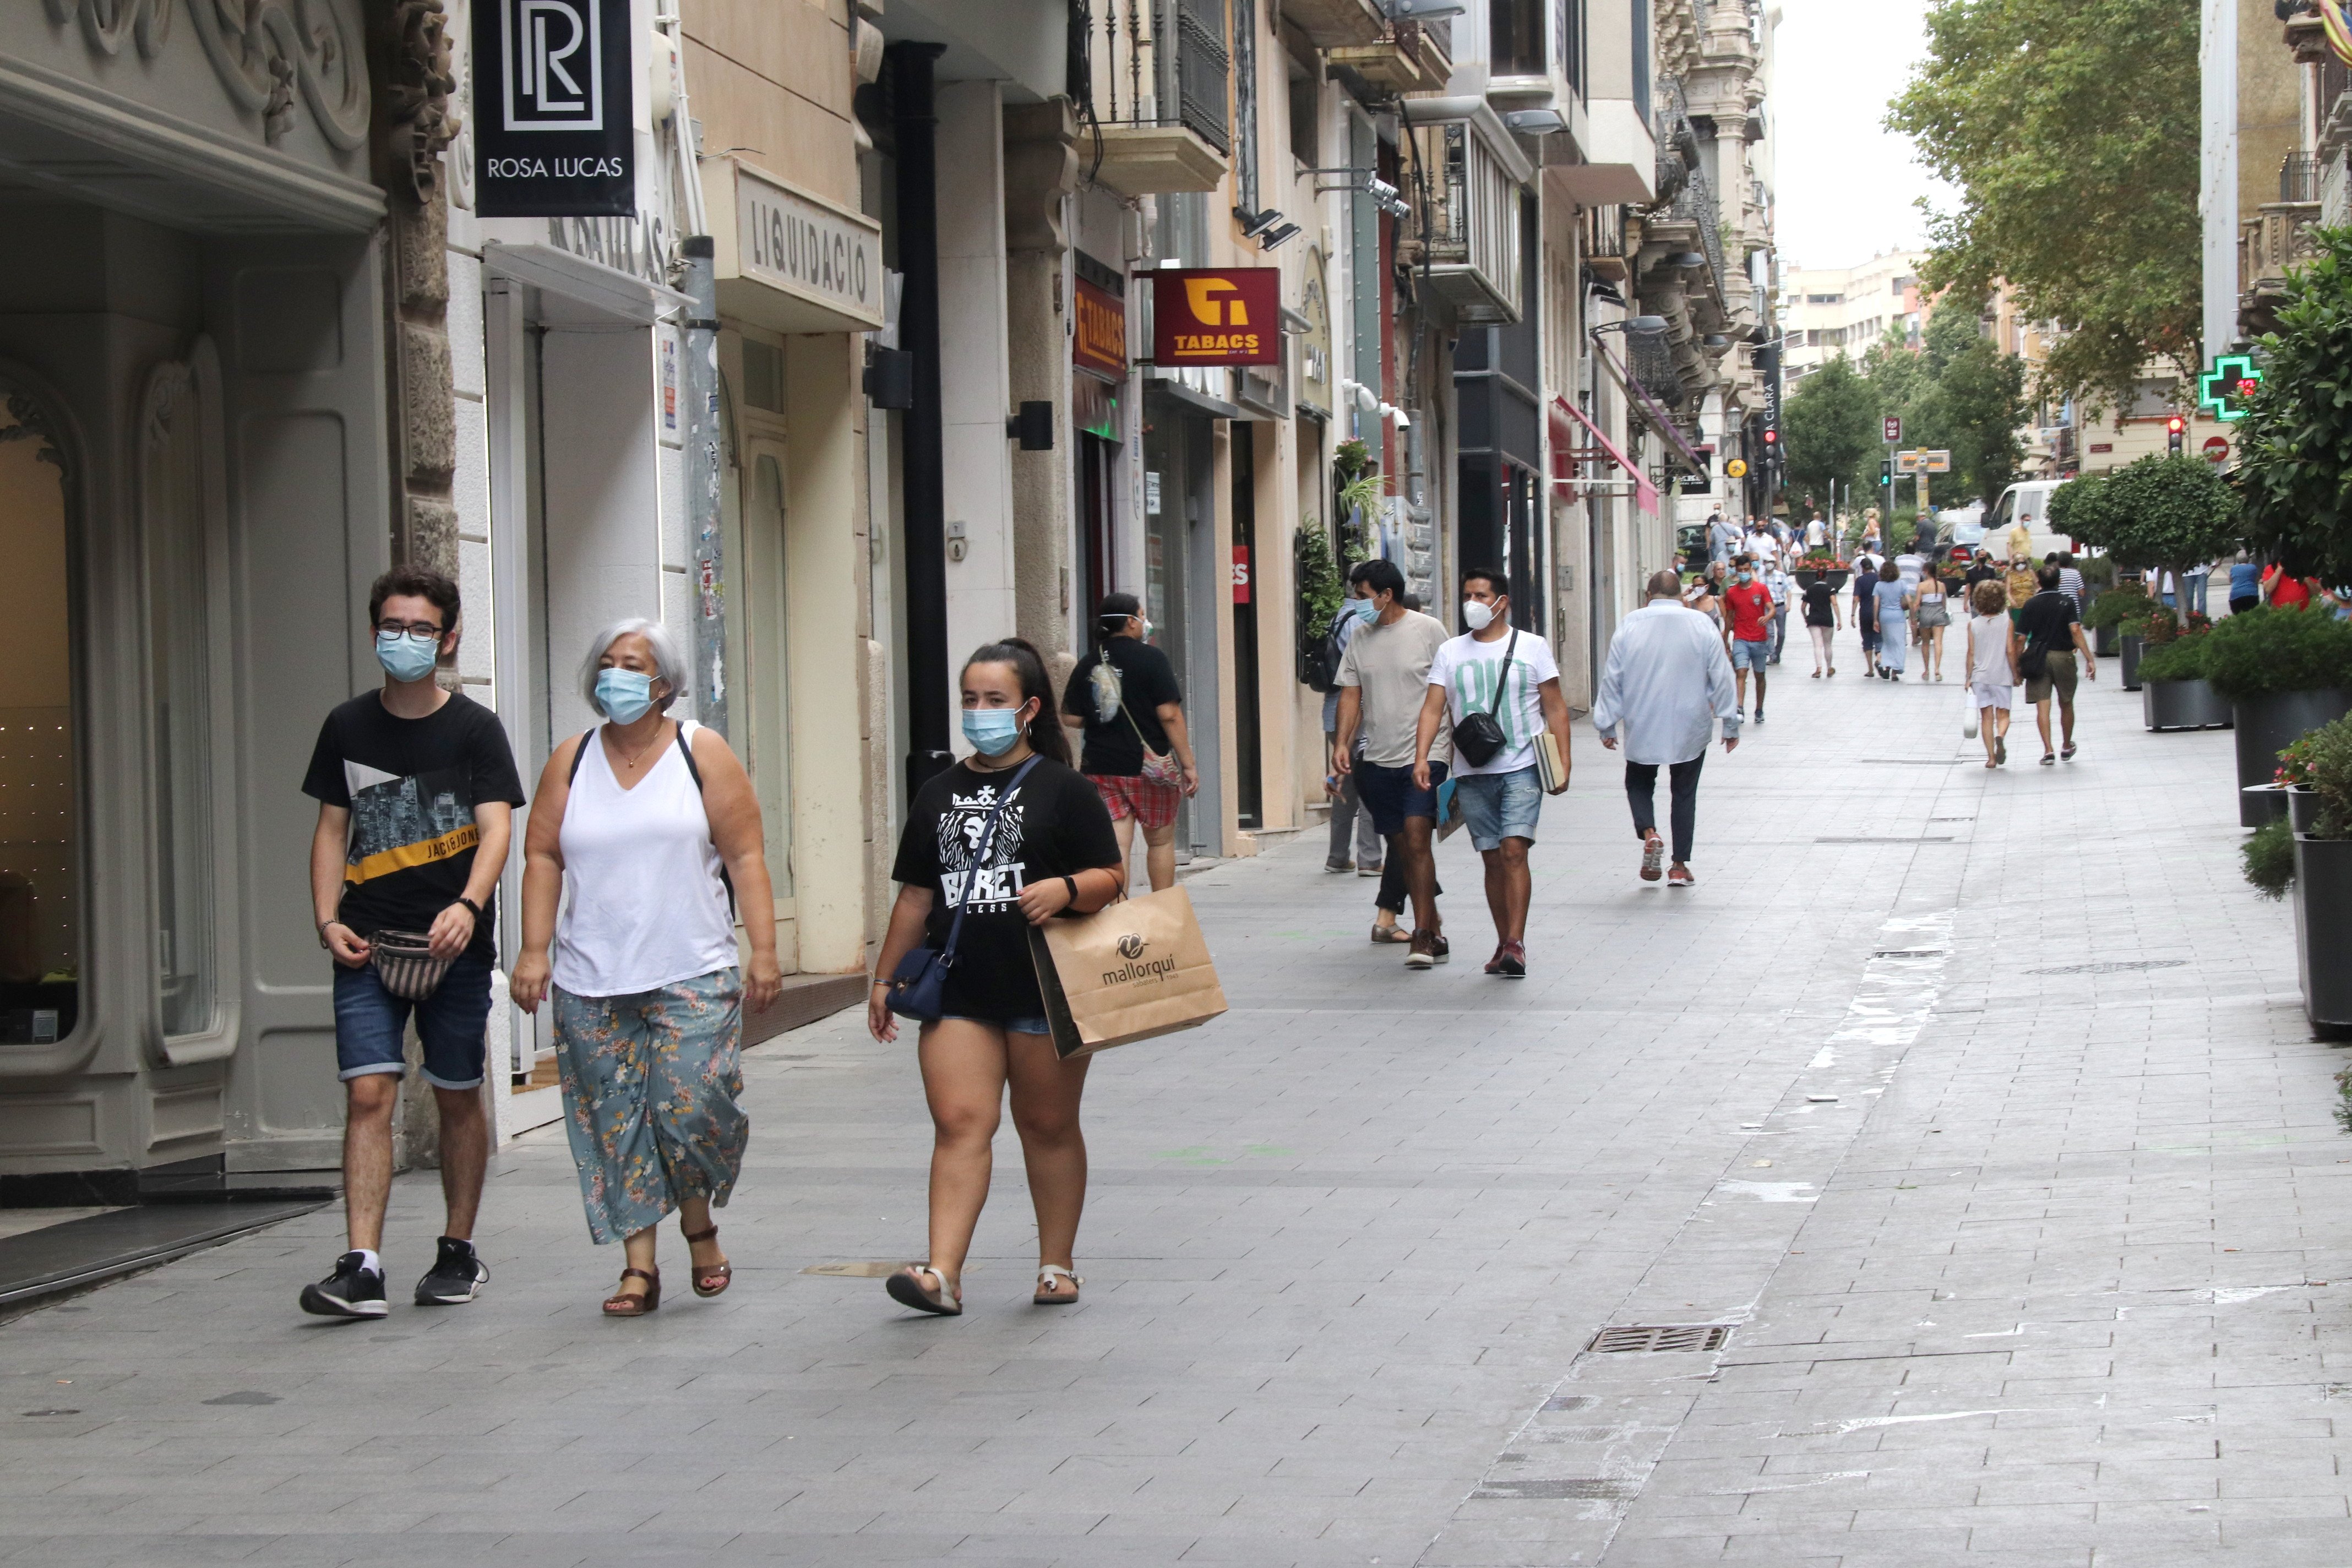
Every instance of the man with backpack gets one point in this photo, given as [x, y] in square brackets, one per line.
[1351, 824]
[1498, 687]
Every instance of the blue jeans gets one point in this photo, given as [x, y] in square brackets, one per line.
[1495, 807]
[370, 1023]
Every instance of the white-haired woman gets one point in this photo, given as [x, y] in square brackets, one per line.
[652, 825]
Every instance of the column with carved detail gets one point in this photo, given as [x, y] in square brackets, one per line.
[408, 57]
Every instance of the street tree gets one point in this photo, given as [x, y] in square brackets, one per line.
[1981, 395]
[2159, 515]
[1828, 428]
[2295, 446]
[2070, 129]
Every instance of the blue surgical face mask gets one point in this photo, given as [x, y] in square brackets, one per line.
[405, 658]
[624, 695]
[993, 731]
[1744, 578]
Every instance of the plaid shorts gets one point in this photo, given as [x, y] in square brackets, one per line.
[1132, 795]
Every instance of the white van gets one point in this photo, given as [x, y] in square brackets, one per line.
[2027, 502]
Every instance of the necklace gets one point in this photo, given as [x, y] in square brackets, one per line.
[640, 756]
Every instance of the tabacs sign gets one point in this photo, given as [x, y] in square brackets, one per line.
[1228, 315]
[1099, 343]
[554, 116]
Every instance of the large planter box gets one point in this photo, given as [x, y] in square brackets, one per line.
[2260, 803]
[2182, 705]
[2131, 663]
[2323, 931]
[2267, 725]
[2303, 809]
[2102, 642]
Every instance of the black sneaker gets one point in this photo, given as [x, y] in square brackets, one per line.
[455, 1277]
[350, 1292]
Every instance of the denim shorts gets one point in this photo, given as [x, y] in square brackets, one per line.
[1391, 795]
[1010, 1026]
[1749, 655]
[1495, 807]
[370, 1023]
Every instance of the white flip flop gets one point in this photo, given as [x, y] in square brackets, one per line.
[1048, 1294]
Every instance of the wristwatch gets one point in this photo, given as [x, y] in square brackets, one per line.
[472, 908]
[1071, 883]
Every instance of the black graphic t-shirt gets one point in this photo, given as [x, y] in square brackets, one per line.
[411, 785]
[1053, 826]
[1114, 748]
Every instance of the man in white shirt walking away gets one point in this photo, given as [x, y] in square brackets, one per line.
[1667, 681]
[1498, 689]
[1384, 679]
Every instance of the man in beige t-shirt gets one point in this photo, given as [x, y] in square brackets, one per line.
[1384, 679]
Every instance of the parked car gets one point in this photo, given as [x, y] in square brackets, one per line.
[2027, 501]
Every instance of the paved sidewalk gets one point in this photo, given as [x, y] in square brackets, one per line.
[2035, 1285]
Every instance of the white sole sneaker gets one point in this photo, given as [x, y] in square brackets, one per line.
[1654, 859]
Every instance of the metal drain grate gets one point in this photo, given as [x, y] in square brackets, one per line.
[1913, 953]
[1661, 1337]
[2119, 966]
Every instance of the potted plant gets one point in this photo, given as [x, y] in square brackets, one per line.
[2284, 673]
[2174, 693]
[2294, 777]
[2323, 884]
[2108, 610]
[2268, 858]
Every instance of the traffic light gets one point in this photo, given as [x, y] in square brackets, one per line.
[2176, 434]
[1886, 471]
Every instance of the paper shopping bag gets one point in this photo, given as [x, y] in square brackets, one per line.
[1124, 973]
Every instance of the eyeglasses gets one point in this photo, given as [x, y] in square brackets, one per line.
[420, 629]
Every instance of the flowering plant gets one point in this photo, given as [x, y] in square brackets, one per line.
[2294, 765]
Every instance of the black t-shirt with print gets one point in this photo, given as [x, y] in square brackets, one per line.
[1053, 826]
[2045, 621]
[411, 785]
[1821, 609]
[1147, 680]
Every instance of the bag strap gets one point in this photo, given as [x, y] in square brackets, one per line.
[686, 750]
[1502, 678]
[980, 856]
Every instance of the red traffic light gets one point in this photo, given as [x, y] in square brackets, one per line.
[1771, 436]
[2176, 425]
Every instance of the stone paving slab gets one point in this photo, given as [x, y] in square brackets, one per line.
[2020, 1259]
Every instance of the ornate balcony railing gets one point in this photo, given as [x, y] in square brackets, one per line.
[1160, 86]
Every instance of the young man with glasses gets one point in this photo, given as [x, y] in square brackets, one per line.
[416, 789]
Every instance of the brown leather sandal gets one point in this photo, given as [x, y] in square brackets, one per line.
[620, 1304]
[722, 1270]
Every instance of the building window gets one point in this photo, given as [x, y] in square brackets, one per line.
[1641, 28]
[174, 528]
[40, 821]
[1515, 37]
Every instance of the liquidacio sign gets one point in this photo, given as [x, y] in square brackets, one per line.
[554, 128]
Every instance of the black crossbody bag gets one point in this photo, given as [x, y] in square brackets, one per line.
[918, 988]
[1479, 737]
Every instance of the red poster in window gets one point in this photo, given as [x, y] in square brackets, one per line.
[1241, 574]
[1227, 315]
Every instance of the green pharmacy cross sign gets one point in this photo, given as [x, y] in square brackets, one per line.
[2229, 387]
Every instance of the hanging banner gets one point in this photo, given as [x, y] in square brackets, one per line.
[1227, 315]
[553, 122]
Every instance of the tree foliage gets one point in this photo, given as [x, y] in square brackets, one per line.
[2295, 446]
[2160, 513]
[1958, 393]
[1830, 429]
[2070, 128]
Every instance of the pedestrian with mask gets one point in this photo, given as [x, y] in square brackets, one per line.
[1497, 688]
[1352, 825]
[1666, 683]
[417, 790]
[1865, 611]
[644, 834]
[1722, 537]
[1748, 604]
[1894, 597]
[1823, 620]
[2023, 581]
[1123, 696]
[1783, 589]
[1383, 683]
[1008, 839]
[1933, 600]
[2051, 630]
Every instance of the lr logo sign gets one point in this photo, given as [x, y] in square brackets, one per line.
[551, 65]
[552, 136]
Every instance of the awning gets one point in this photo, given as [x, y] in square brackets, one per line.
[598, 291]
[1645, 494]
[1655, 411]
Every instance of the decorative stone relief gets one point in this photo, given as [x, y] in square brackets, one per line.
[422, 81]
[266, 53]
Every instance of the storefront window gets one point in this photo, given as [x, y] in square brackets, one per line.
[40, 837]
[179, 690]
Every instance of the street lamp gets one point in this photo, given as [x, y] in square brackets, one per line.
[1632, 324]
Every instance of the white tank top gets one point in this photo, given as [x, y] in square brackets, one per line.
[1989, 650]
[646, 907]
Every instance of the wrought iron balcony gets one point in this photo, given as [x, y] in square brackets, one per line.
[1160, 83]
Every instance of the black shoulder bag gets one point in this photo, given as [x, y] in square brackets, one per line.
[918, 987]
[1479, 737]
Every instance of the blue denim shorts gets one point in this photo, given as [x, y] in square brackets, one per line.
[370, 1023]
[1495, 807]
[1010, 1026]
[1392, 796]
[1749, 655]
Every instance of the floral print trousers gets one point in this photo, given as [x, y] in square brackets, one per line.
[652, 1086]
